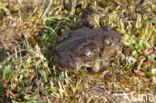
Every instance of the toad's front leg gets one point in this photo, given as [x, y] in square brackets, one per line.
[98, 68]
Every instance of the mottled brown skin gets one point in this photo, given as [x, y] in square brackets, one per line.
[86, 48]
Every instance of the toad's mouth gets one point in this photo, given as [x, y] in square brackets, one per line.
[116, 44]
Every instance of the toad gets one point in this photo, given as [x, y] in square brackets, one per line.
[86, 48]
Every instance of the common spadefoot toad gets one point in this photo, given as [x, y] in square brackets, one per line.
[86, 48]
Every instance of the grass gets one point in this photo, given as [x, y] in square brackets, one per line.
[29, 75]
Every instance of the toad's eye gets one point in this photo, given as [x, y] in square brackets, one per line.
[108, 41]
[116, 39]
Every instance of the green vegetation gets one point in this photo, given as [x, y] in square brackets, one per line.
[28, 74]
